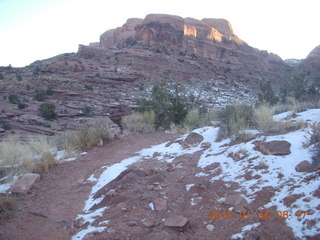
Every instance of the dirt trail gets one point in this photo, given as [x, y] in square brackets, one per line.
[49, 211]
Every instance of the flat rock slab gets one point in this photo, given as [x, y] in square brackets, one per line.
[279, 148]
[24, 184]
[175, 221]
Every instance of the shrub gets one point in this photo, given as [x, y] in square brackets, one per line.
[47, 111]
[39, 95]
[7, 204]
[169, 103]
[86, 136]
[13, 98]
[1, 76]
[139, 122]
[87, 111]
[19, 78]
[267, 93]
[192, 120]
[49, 91]
[5, 125]
[36, 154]
[22, 105]
[197, 118]
[88, 87]
[264, 116]
[235, 118]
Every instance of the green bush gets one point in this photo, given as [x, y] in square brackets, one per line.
[169, 103]
[13, 98]
[267, 93]
[87, 111]
[22, 105]
[19, 78]
[40, 95]
[47, 111]
[139, 122]
[1, 76]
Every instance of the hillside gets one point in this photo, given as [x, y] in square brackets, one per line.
[106, 78]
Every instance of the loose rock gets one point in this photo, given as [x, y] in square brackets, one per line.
[175, 221]
[24, 184]
[304, 166]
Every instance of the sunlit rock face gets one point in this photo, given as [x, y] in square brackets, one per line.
[185, 34]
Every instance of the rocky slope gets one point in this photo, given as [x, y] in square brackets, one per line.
[109, 76]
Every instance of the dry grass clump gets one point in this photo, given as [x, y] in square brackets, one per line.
[86, 137]
[139, 122]
[264, 121]
[7, 204]
[235, 118]
[314, 139]
[195, 119]
[24, 156]
[242, 136]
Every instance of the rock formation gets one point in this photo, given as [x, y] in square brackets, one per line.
[312, 63]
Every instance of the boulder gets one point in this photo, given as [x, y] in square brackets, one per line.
[304, 166]
[175, 221]
[279, 148]
[192, 140]
[149, 222]
[24, 184]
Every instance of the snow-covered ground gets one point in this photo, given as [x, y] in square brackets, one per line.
[279, 174]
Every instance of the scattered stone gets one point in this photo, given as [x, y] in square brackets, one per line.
[307, 199]
[236, 201]
[205, 184]
[289, 200]
[150, 187]
[192, 140]
[309, 178]
[180, 159]
[132, 223]
[157, 188]
[279, 148]
[160, 204]
[304, 166]
[2, 130]
[205, 145]
[111, 192]
[170, 168]
[175, 221]
[149, 222]
[210, 227]
[156, 154]
[148, 172]
[311, 212]
[24, 184]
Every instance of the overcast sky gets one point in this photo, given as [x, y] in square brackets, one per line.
[32, 30]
